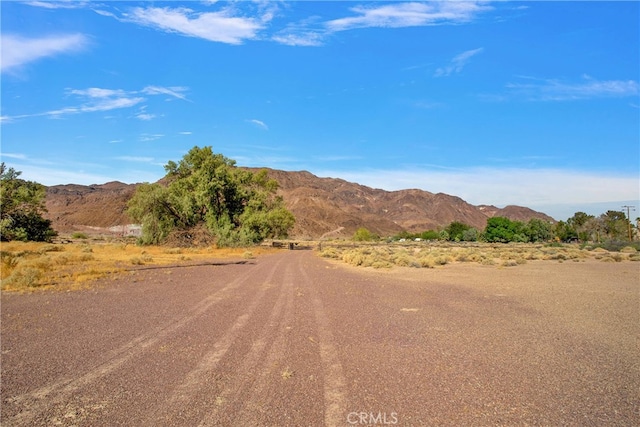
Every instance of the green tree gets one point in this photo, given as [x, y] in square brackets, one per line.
[21, 208]
[615, 224]
[503, 230]
[236, 206]
[564, 231]
[538, 230]
[429, 235]
[470, 235]
[456, 230]
[579, 222]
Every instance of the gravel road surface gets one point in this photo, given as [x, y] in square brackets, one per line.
[291, 339]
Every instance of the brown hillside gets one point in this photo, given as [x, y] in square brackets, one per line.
[76, 207]
[322, 207]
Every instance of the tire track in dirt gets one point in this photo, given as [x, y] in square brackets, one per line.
[246, 389]
[186, 392]
[258, 398]
[36, 402]
[334, 382]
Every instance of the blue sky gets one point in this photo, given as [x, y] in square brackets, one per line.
[528, 103]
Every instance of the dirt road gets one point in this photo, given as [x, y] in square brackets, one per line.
[292, 340]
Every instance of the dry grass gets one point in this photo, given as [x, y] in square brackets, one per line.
[432, 255]
[28, 266]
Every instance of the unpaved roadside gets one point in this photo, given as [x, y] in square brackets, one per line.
[291, 339]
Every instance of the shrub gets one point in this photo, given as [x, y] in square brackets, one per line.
[27, 277]
[79, 235]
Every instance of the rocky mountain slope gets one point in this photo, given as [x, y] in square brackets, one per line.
[322, 207]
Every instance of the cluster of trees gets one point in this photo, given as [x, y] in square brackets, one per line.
[204, 190]
[610, 226]
[21, 208]
[237, 207]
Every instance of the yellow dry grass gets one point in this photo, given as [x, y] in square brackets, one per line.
[431, 255]
[31, 265]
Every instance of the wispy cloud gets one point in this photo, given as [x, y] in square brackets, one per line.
[304, 38]
[101, 104]
[409, 14]
[259, 123]
[220, 26]
[147, 137]
[458, 63]
[557, 90]
[173, 91]
[14, 156]
[145, 116]
[99, 99]
[65, 4]
[18, 51]
[313, 32]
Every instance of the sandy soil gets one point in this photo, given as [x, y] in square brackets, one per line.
[292, 339]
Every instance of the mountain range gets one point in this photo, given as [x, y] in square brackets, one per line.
[323, 207]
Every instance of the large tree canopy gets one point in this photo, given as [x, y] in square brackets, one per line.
[21, 208]
[236, 206]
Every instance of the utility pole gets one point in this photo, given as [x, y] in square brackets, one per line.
[629, 208]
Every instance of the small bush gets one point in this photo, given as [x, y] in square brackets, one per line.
[329, 253]
[381, 264]
[27, 277]
[79, 235]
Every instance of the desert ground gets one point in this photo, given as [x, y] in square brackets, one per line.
[293, 339]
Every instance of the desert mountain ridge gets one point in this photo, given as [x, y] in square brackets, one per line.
[323, 207]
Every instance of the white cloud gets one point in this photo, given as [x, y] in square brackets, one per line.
[18, 51]
[220, 26]
[409, 14]
[457, 63]
[14, 156]
[185, 133]
[96, 99]
[306, 38]
[146, 137]
[66, 4]
[100, 105]
[588, 88]
[505, 186]
[96, 92]
[174, 91]
[145, 116]
[259, 123]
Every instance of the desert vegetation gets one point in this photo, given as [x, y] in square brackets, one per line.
[207, 192]
[21, 208]
[435, 254]
[503, 243]
[27, 266]
[611, 229]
